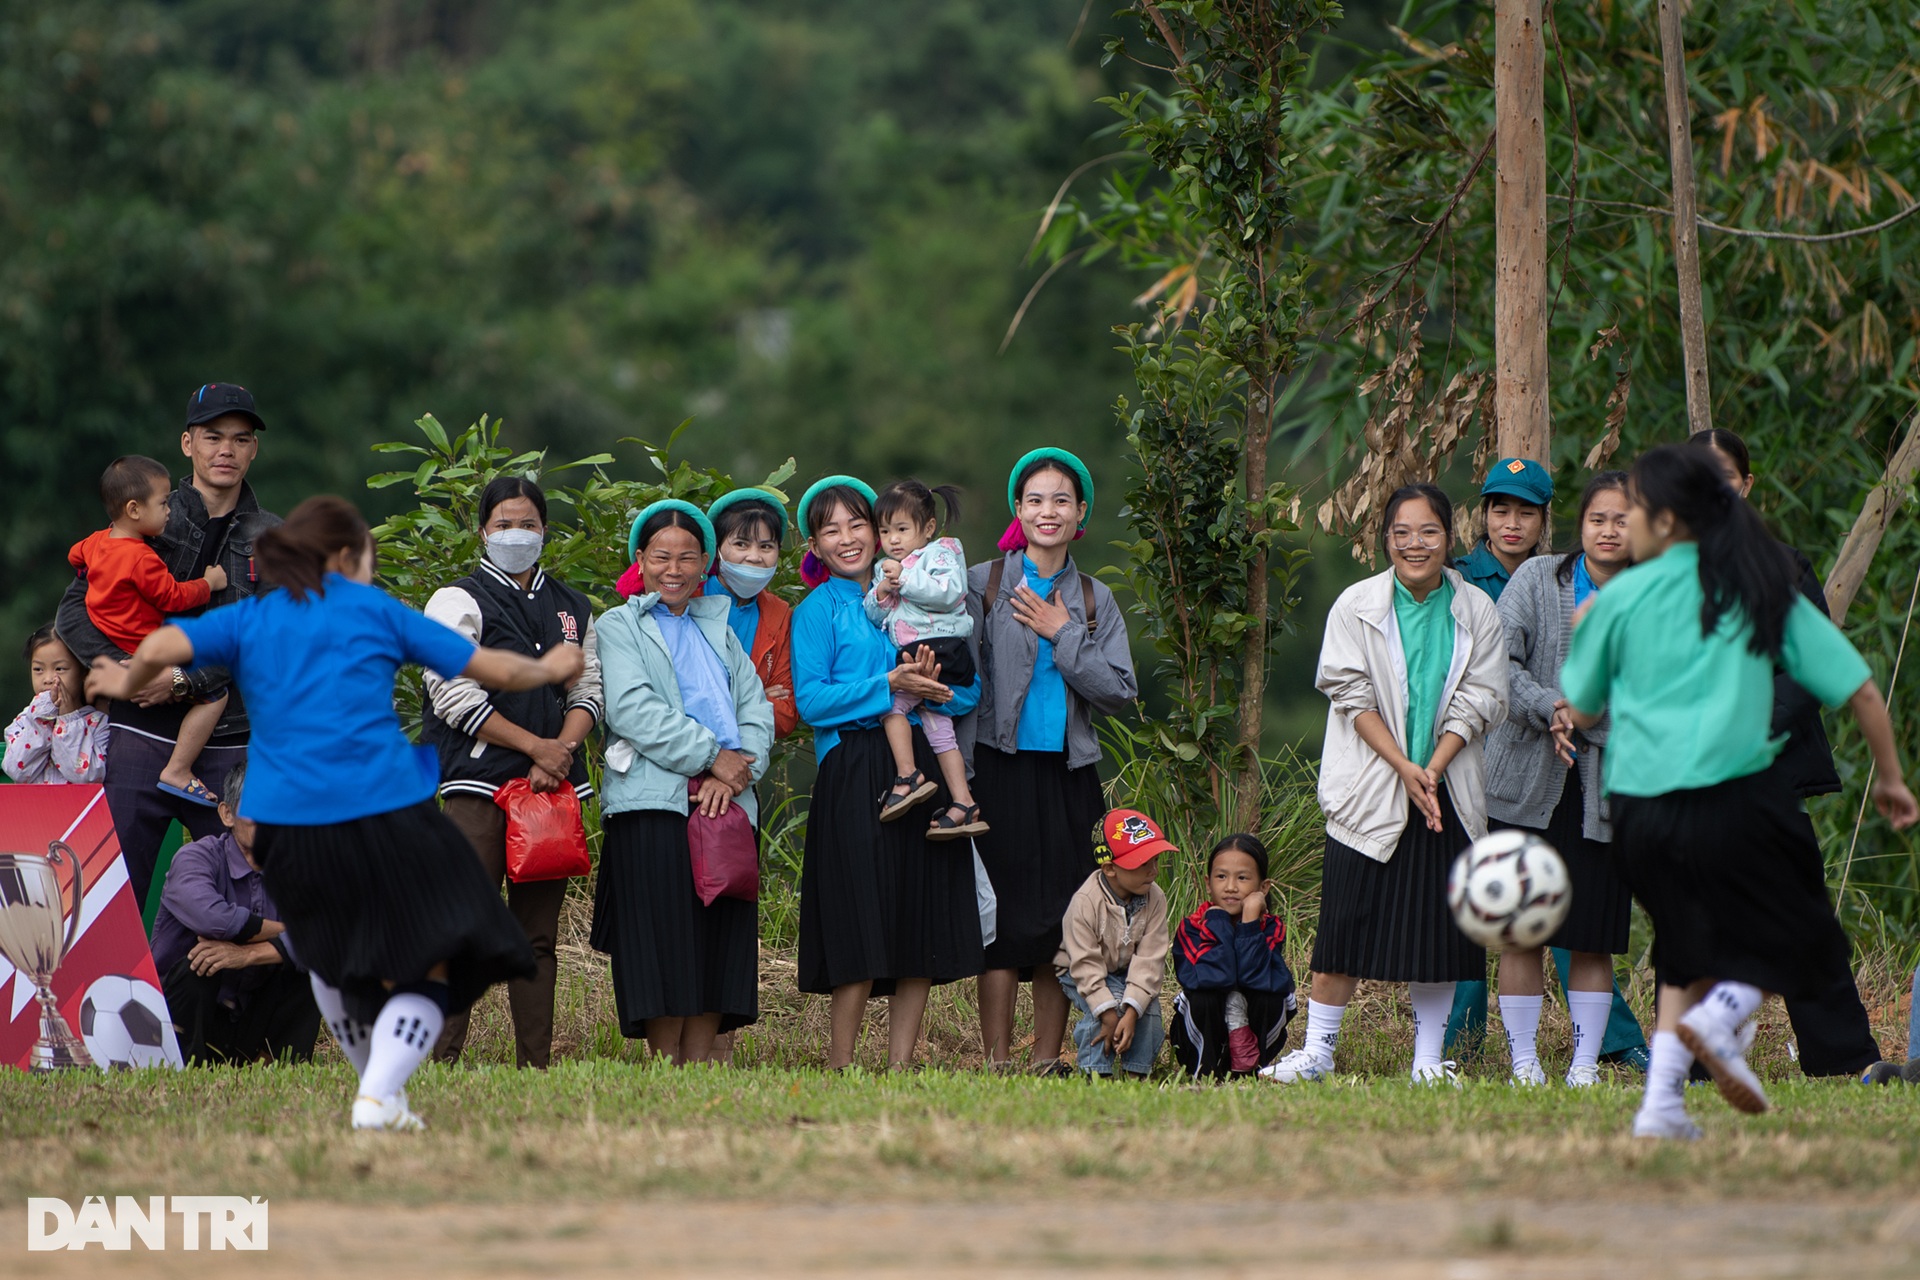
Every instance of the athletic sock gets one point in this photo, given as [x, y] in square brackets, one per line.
[1323, 1029]
[1732, 1002]
[403, 1037]
[1520, 1015]
[1666, 1074]
[351, 1036]
[1590, 1011]
[1432, 1002]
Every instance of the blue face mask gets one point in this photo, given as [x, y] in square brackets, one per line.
[746, 581]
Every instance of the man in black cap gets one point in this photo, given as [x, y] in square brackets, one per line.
[214, 519]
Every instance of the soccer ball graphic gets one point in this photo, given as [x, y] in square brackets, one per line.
[124, 1023]
[1509, 889]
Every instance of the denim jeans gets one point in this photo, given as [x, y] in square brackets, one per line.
[1148, 1033]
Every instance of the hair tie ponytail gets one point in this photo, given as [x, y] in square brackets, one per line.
[812, 572]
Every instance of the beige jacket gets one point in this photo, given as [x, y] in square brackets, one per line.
[1362, 668]
[1096, 939]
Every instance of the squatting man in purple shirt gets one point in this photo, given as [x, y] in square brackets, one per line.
[235, 992]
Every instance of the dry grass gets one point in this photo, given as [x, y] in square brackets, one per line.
[1377, 1037]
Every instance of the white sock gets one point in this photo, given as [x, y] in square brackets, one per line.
[1323, 1029]
[1520, 1015]
[1732, 1002]
[351, 1036]
[1667, 1074]
[1236, 1010]
[1432, 1002]
[1590, 1011]
[403, 1037]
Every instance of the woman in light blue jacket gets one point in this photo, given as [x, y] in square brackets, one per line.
[683, 703]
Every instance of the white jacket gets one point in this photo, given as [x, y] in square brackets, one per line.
[1362, 668]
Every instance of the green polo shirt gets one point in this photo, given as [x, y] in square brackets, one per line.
[1426, 640]
[1689, 710]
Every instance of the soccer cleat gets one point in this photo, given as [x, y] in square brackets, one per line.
[1636, 1058]
[1584, 1076]
[1447, 1072]
[1719, 1050]
[391, 1114]
[1528, 1074]
[1668, 1124]
[1299, 1067]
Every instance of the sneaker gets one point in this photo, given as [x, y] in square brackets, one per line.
[391, 1113]
[1882, 1073]
[1668, 1124]
[1447, 1072]
[1584, 1076]
[1528, 1074]
[1051, 1069]
[1719, 1051]
[1638, 1058]
[1298, 1067]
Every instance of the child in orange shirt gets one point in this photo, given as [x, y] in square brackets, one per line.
[130, 593]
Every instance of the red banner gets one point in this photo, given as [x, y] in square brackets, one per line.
[103, 983]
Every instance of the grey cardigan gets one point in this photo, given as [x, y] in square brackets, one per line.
[1098, 669]
[1524, 778]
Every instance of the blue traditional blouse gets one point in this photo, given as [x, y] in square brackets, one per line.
[1043, 716]
[744, 620]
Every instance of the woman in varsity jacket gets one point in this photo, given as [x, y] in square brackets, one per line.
[487, 738]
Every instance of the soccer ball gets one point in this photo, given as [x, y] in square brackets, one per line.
[124, 1022]
[1509, 889]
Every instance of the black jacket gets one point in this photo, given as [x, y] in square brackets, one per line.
[179, 546]
[1806, 762]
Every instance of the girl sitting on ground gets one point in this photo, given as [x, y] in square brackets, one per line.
[1236, 992]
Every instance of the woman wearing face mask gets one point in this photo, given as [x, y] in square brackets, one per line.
[485, 739]
[751, 524]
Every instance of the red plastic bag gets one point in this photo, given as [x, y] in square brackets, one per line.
[726, 857]
[545, 838]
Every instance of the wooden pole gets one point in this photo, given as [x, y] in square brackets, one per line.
[1686, 225]
[1883, 502]
[1520, 231]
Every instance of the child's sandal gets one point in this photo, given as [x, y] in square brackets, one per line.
[946, 827]
[918, 790]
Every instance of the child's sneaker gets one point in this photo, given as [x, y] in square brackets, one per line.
[1720, 1051]
[1529, 1074]
[1671, 1124]
[1447, 1072]
[391, 1113]
[1584, 1076]
[1302, 1066]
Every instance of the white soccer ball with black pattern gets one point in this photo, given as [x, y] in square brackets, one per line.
[1509, 889]
[124, 1023]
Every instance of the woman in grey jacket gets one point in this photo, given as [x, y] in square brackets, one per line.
[1553, 788]
[1053, 653]
[683, 705]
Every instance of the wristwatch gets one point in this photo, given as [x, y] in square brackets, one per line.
[180, 686]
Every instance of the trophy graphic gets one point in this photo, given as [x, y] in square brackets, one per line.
[35, 934]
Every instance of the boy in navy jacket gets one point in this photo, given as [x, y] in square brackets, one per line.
[1236, 993]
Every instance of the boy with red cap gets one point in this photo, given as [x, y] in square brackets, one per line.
[1113, 949]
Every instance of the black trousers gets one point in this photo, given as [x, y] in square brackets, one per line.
[1198, 1029]
[1831, 1030]
[142, 812]
[277, 1018]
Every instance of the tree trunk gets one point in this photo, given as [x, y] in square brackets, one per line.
[1520, 231]
[1253, 657]
[1686, 226]
[1883, 500]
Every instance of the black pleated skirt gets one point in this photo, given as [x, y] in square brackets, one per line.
[672, 957]
[387, 897]
[1600, 910]
[1389, 921]
[878, 900]
[1040, 850]
[1732, 879]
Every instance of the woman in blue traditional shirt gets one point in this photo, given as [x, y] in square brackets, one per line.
[382, 898]
[689, 727]
[1053, 656]
[1680, 650]
[883, 910]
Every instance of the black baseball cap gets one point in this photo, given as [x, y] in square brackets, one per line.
[217, 399]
